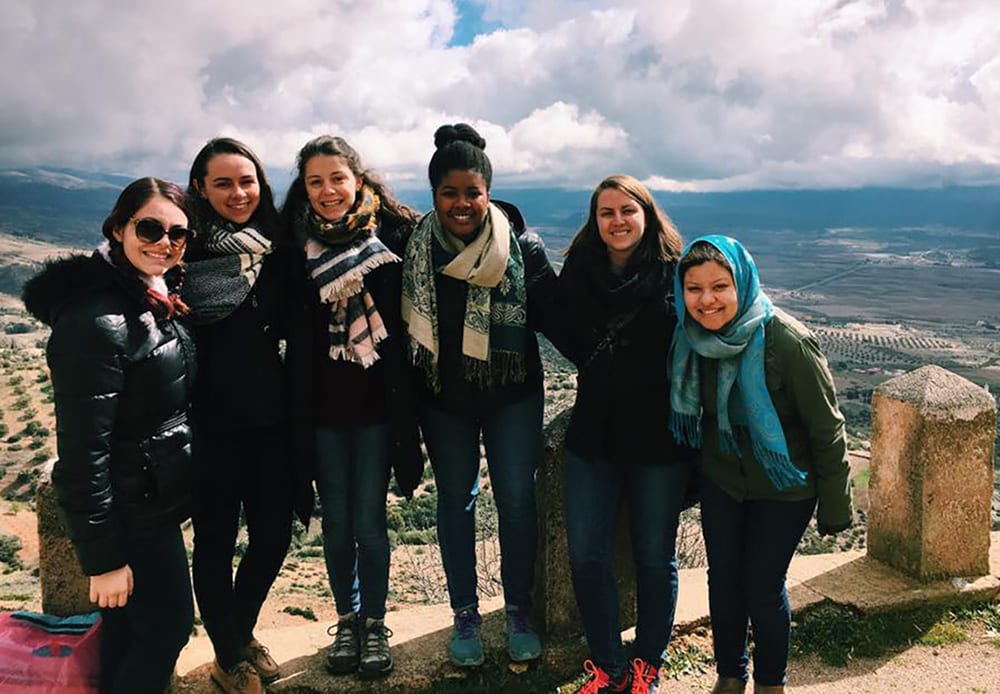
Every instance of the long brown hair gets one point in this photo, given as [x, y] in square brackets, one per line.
[661, 242]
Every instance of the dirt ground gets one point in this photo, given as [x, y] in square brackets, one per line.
[966, 668]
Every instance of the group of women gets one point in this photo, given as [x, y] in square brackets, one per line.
[217, 358]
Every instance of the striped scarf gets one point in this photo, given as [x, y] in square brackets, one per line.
[219, 283]
[338, 271]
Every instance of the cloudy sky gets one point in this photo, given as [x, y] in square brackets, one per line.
[685, 94]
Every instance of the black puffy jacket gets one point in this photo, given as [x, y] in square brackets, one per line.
[122, 382]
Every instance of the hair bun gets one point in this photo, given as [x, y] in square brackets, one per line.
[460, 132]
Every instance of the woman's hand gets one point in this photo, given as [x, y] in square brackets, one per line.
[112, 589]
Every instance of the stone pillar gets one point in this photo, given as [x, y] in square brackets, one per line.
[933, 437]
[555, 607]
[65, 588]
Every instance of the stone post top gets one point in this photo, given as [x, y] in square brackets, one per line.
[939, 393]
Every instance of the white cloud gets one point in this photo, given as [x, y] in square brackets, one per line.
[690, 93]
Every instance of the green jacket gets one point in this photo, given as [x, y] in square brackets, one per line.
[803, 394]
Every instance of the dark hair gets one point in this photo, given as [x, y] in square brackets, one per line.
[131, 200]
[699, 253]
[393, 211]
[459, 148]
[135, 195]
[660, 241]
[265, 217]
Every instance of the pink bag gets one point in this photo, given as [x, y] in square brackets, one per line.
[42, 654]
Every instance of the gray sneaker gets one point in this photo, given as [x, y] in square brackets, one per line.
[376, 660]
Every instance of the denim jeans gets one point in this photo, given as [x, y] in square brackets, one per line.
[654, 495]
[512, 437]
[141, 641]
[246, 471]
[749, 545]
[352, 479]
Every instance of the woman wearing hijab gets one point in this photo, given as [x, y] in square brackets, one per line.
[753, 389]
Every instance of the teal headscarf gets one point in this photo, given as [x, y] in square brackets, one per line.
[739, 348]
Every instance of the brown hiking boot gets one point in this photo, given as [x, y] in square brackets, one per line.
[262, 661]
[769, 689]
[729, 685]
[239, 679]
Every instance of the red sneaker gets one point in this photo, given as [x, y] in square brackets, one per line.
[600, 681]
[644, 677]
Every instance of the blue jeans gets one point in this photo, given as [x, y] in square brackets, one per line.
[512, 437]
[654, 495]
[750, 544]
[352, 479]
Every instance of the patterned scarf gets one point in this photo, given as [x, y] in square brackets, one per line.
[739, 349]
[338, 256]
[218, 283]
[494, 336]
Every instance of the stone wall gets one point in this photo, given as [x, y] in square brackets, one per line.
[65, 588]
[556, 612]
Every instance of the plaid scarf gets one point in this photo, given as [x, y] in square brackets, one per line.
[494, 336]
[217, 284]
[338, 256]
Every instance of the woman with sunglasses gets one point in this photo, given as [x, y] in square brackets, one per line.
[753, 389]
[122, 369]
[240, 287]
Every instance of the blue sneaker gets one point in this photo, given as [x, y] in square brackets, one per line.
[522, 641]
[466, 649]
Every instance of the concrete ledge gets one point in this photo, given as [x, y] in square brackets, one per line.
[420, 641]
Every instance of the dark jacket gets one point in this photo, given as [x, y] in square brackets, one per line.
[382, 393]
[622, 404]
[122, 382]
[801, 388]
[244, 383]
[459, 395]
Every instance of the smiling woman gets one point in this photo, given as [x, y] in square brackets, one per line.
[122, 369]
[352, 384]
[241, 289]
[476, 284]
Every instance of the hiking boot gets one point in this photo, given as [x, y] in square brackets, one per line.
[644, 677]
[239, 679]
[729, 685]
[376, 661]
[344, 654]
[522, 641]
[258, 656]
[600, 682]
[466, 648]
[768, 689]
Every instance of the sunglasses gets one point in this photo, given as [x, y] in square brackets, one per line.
[151, 231]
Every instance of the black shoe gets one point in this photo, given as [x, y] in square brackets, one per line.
[344, 654]
[376, 660]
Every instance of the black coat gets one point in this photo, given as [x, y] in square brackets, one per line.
[122, 383]
[243, 362]
[391, 373]
[623, 394]
[459, 395]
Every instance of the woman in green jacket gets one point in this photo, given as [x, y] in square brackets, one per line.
[752, 388]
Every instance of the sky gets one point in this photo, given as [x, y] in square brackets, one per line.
[683, 94]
